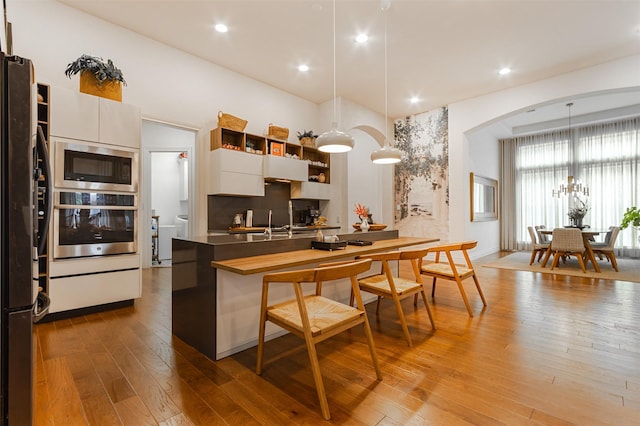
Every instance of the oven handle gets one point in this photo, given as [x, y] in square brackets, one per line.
[85, 206]
[43, 152]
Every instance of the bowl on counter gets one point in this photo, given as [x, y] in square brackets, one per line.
[372, 227]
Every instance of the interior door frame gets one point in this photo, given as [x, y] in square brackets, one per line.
[144, 213]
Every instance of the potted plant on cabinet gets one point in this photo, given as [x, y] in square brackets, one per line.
[97, 77]
[307, 138]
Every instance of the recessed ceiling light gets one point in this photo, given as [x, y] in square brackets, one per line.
[303, 68]
[221, 28]
[414, 100]
[504, 71]
[362, 38]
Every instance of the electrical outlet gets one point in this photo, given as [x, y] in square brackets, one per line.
[337, 220]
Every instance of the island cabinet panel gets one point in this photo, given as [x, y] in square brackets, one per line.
[310, 191]
[235, 173]
[285, 168]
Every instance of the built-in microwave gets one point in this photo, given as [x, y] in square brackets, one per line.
[83, 165]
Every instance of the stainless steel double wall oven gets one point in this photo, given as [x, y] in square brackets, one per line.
[95, 199]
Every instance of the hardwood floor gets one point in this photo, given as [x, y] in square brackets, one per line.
[545, 351]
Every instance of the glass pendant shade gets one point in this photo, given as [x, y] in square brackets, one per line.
[386, 155]
[334, 141]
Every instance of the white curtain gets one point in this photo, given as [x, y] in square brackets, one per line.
[605, 157]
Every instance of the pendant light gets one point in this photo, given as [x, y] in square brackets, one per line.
[386, 154]
[334, 141]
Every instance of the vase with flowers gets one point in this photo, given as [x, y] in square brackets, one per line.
[363, 215]
[578, 212]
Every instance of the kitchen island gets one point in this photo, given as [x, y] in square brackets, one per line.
[217, 282]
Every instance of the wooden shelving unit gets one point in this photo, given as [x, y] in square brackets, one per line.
[317, 161]
[43, 105]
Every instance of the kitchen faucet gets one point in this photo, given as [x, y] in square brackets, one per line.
[267, 231]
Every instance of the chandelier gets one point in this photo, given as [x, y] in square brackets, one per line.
[572, 187]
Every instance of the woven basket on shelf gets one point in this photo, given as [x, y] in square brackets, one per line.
[232, 122]
[278, 132]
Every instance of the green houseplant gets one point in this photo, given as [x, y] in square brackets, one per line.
[97, 77]
[631, 217]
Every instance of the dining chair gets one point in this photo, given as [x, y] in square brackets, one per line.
[542, 238]
[567, 242]
[316, 318]
[606, 248]
[449, 270]
[387, 285]
[536, 247]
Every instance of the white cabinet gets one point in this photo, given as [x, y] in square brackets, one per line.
[85, 282]
[285, 168]
[310, 190]
[235, 173]
[76, 115]
[119, 123]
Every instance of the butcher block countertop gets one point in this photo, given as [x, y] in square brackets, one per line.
[271, 262]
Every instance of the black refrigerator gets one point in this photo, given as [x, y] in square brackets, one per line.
[23, 159]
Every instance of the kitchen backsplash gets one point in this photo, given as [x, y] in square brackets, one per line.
[221, 209]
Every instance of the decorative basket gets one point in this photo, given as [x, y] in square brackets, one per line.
[309, 142]
[232, 122]
[278, 132]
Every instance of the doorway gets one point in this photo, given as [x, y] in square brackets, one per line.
[167, 189]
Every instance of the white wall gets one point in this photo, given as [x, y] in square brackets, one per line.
[168, 85]
[467, 117]
[365, 179]
[482, 155]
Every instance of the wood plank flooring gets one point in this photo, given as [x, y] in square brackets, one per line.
[548, 350]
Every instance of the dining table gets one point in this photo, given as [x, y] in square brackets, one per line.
[588, 235]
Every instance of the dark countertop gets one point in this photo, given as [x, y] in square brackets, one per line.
[233, 246]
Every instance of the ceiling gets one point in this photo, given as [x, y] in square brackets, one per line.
[441, 51]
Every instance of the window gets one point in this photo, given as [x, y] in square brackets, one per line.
[605, 157]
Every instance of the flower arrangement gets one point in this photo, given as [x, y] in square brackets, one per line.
[578, 212]
[361, 211]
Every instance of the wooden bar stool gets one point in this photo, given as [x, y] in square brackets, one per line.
[385, 284]
[448, 270]
[314, 317]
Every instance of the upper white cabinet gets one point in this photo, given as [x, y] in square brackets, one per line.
[235, 173]
[76, 115]
[310, 191]
[285, 168]
[119, 123]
